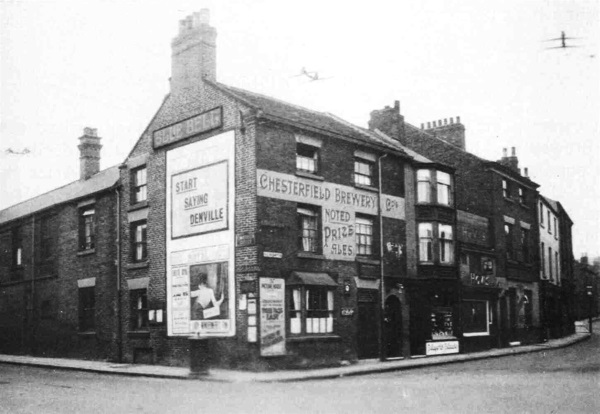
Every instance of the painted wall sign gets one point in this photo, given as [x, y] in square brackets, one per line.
[200, 271]
[203, 122]
[472, 228]
[272, 316]
[199, 200]
[339, 203]
[441, 348]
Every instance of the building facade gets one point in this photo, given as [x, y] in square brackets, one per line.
[57, 270]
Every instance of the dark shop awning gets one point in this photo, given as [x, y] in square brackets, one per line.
[310, 278]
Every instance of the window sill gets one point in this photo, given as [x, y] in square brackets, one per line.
[86, 252]
[367, 260]
[138, 206]
[309, 175]
[311, 338]
[468, 335]
[308, 255]
[87, 334]
[525, 206]
[432, 204]
[437, 264]
[133, 266]
[138, 334]
[366, 187]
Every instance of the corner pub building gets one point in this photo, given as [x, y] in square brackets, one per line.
[266, 228]
[276, 236]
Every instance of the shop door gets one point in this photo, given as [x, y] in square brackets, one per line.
[393, 327]
[367, 324]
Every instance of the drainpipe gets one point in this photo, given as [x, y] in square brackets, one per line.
[381, 282]
[119, 327]
[32, 297]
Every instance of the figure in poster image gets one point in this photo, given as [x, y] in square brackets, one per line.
[203, 298]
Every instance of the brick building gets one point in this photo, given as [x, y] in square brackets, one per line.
[57, 266]
[496, 210]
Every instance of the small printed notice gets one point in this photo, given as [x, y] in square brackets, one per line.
[272, 316]
[442, 348]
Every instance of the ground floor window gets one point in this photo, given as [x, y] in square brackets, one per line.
[87, 309]
[139, 309]
[442, 324]
[475, 317]
[310, 310]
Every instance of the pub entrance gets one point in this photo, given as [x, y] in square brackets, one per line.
[393, 327]
[368, 346]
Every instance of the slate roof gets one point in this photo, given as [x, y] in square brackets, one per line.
[280, 110]
[103, 180]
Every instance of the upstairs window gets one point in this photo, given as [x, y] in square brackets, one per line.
[363, 172]
[549, 223]
[139, 241]
[550, 263]
[87, 228]
[307, 158]
[139, 309]
[308, 229]
[556, 266]
[505, 191]
[508, 233]
[521, 195]
[364, 236]
[543, 261]
[140, 185]
[17, 247]
[446, 244]
[525, 244]
[541, 215]
[424, 186]
[555, 229]
[426, 242]
[443, 188]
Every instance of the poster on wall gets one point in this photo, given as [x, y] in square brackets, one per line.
[199, 200]
[272, 316]
[200, 246]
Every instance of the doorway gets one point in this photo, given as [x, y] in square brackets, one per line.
[393, 327]
[367, 324]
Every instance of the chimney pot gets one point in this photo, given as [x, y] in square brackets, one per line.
[504, 152]
[445, 121]
[458, 119]
[428, 125]
[434, 124]
[204, 16]
[89, 153]
[440, 122]
[514, 152]
[397, 105]
[422, 126]
[526, 170]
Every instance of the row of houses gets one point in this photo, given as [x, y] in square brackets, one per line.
[282, 237]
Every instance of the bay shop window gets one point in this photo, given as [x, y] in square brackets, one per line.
[310, 303]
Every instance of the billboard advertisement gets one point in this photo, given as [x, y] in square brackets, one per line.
[272, 316]
[200, 239]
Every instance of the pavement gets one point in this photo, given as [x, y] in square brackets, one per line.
[363, 367]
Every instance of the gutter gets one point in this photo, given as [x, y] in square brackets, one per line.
[119, 323]
[381, 281]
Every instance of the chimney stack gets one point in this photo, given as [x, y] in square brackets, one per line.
[511, 162]
[451, 132]
[89, 153]
[194, 52]
[389, 121]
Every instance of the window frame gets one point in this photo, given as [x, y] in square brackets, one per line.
[137, 187]
[325, 325]
[508, 240]
[429, 242]
[365, 249]
[488, 318]
[444, 242]
[138, 316]
[543, 260]
[135, 243]
[521, 195]
[85, 219]
[555, 228]
[505, 189]
[549, 222]
[17, 247]
[442, 185]
[550, 273]
[369, 176]
[87, 309]
[303, 212]
[314, 159]
[525, 244]
[426, 181]
[541, 214]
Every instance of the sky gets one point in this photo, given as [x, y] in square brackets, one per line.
[66, 65]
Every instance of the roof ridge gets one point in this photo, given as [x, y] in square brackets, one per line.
[59, 188]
